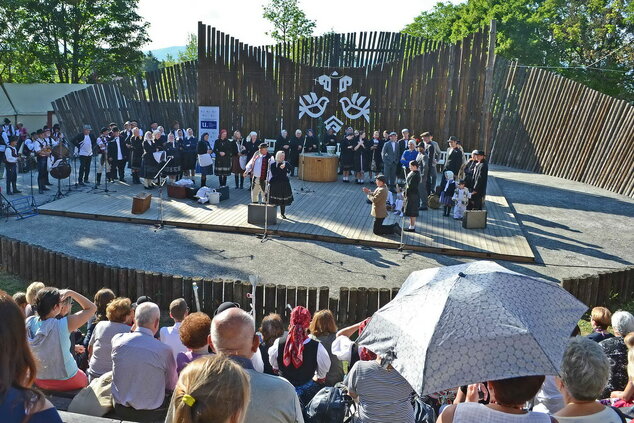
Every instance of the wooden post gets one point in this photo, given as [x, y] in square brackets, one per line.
[280, 300]
[216, 296]
[344, 294]
[301, 296]
[227, 291]
[122, 282]
[131, 285]
[485, 136]
[85, 278]
[259, 303]
[177, 281]
[269, 299]
[188, 292]
[67, 281]
[324, 294]
[353, 305]
[167, 282]
[384, 296]
[291, 292]
[140, 285]
[373, 301]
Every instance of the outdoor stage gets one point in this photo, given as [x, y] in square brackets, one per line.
[331, 212]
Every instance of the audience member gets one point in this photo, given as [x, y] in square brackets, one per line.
[31, 293]
[169, 335]
[77, 349]
[616, 350]
[273, 399]
[625, 398]
[210, 390]
[193, 332]
[19, 402]
[324, 329]
[256, 359]
[271, 328]
[102, 299]
[20, 300]
[143, 368]
[346, 350]
[508, 398]
[119, 316]
[584, 373]
[600, 319]
[383, 394]
[301, 360]
[49, 339]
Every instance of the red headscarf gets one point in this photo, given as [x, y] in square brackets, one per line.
[223, 130]
[294, 348]
[364, 353]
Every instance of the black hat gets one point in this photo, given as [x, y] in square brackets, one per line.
[420, 145]
[226, 306]
[39, 132]
[6, 120]
[264, 145]
[425, 134]
[380, 178]
[392, 133]
[452, 138]
[104, 129]
[142, 299]
[461, 182]
[478, 153]
[115, 129]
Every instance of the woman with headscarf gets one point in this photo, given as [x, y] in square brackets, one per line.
[173, 149]
[375, 157]
[312, 144]
[188, 157]
[280, 192]
[149, 165]
[299, 359]
[296, 147]
[346, 158]
[283, 143]
[204, 151]
[223, 149]
[238, 160]
[135, 145]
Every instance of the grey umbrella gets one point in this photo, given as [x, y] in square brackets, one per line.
[474, 322]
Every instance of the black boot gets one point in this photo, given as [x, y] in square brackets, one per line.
[15, 189]
[98, 179]
[135, 178]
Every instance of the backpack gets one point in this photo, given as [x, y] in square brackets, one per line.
[330, 405]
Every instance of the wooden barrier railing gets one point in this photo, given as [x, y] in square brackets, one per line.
[608, 289]
[32, 262]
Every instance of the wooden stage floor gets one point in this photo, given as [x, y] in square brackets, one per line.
[331, 212]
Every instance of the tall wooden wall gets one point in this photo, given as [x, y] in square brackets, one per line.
[546, 123]
[163, 96]
[411, 83]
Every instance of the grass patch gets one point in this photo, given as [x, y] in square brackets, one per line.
[11, 283]
[586, 326]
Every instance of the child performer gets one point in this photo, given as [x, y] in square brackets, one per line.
[460, 198]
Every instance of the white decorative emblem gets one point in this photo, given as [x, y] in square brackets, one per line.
[333, 123]
[344, 83]
[312, 106]
[355, 107]
[326, 82]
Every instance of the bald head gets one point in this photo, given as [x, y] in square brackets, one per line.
[233, 333]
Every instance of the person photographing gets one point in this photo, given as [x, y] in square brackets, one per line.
[378, 197]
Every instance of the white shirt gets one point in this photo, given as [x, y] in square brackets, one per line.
[119, 155]
[102, 143]
[169, 335]
[323, 359]
[469, 412]
[11, 155]
[607, 415]
[85, 147]
[342, 347]
[255, 165]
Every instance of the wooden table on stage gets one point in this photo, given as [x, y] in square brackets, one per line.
[318, 167]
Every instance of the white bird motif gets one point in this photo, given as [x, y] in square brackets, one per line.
[311, 105]
[354, 107]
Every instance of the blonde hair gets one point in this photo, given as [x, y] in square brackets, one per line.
[32, 290]
[601, 316]
[323, 323]
[149, 136]
[629, 340]
[278, 156]
[212, 389]
[118, 310]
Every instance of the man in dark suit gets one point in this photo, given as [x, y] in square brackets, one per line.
[391, 160]
[117, 155]
[402, 146]
[85, 144]
[480, 176]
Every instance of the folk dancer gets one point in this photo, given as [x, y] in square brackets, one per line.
[42, 152]
[117, 155]
[258, 168]
[11, 160]
[412, 200]
[238, 159]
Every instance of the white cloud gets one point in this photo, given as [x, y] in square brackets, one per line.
[171, 21]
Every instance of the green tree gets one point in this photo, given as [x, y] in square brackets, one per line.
[150, 62]
[191, 49]
[76, 40]
[590, 41]
[289, 21]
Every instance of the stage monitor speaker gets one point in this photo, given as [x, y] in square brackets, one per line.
[224, 192]
[141, 202]
[474, 219]
[257, 213]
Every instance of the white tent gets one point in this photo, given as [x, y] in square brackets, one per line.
[31, 103]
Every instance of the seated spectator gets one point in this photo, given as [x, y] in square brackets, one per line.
[256, 359]
[508, 398]
[31, 293]
[346, 350]
[193, 331]
[212, 389]
[584, 373]
[20, 300]
[271, 328]
[600, 319]
[119, 315]
[102, 299]
[273, 399]
[169, 335]
[299, 359]
[49, 339]
[77, 349]
[143, 368]
[383, 394]
[19, 402]
[615, 349]
[625, 398]
[324, 329]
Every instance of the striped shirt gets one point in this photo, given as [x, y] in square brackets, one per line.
[384, 395]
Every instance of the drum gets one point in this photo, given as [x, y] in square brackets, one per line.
[60, 169]
[60, 151]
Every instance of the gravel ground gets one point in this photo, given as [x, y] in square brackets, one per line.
[573, 228]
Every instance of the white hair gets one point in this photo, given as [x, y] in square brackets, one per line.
[146, 314]
[299, 131]
[149, 136]
[585, 369]
[623, 322]
[278, 156]
[252, 133]
[410, 142]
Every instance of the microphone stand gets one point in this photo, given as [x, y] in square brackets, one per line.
[159, 224]
[402, 245]
[302, 156]
[266, 204]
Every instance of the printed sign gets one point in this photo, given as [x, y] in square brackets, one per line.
[209, 121]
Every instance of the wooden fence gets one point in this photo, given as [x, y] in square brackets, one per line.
[32, 262]
[162, 96]
[546, 123]
[410, 82]
[608, 289]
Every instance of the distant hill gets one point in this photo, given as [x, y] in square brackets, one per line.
[162, 53]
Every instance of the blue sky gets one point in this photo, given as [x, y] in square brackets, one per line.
[170, 20]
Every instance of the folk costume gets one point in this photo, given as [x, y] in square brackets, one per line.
[188, 157]
[280, 192]
[135, 146]
[375, 156]
[149, 164]
[258, 168]
[461, 198]
[346, 159]
[448, 188]
[360, 155]
[412, 199]
[223, 162]
[330, 140]
[480, 176]
[84, 147]
[296, 146]
[238, 161]
[11, 161]
[117, 157]
[173, 148]
[42, 152]
[205, 160]
[312, 143]
[102, 153]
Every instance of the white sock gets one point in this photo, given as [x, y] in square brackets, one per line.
[411, 227]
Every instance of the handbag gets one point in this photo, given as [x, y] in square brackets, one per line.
[205, 160]
[95, 399]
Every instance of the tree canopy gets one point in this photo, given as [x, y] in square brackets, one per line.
[70, 41]
[590, 41]
[288, 19]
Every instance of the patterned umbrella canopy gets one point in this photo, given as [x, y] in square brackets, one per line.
[475, 322]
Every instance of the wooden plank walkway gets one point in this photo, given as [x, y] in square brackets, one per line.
[332, 212]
